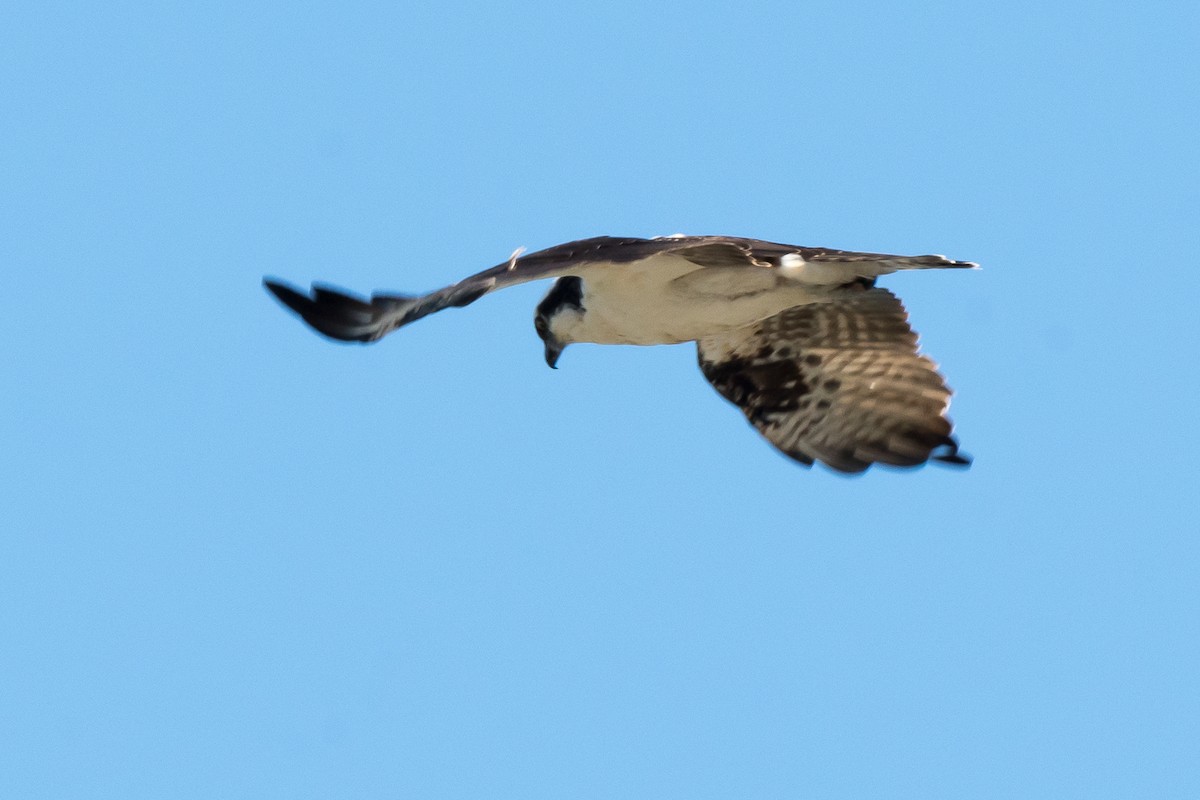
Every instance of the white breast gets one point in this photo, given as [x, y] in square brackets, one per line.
[667, 299]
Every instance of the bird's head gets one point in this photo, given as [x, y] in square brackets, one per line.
[559, 315]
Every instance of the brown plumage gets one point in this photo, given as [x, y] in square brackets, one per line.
[820, 361]
[838, 382]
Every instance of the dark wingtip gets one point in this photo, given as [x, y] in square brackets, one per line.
[953, 457]
[300, 303]
[333, 313]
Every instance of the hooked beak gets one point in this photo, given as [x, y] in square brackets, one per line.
[553, 351]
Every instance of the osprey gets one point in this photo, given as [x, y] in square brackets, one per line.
[820, 361]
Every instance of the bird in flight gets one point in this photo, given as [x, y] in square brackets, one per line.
[821, 361]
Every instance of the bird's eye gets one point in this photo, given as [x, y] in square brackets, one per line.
[539, 324]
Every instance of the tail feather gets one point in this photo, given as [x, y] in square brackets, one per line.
[933, 262]
[835, 267]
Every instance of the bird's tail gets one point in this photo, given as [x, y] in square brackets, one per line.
[897, 263]
[834, 267]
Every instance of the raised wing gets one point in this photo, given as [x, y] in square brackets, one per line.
[838, 382]
[345, 317]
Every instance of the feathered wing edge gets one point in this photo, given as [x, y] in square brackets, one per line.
[343, 317]
[346, 318]
[838, 382]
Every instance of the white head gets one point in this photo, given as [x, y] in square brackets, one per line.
[558, 315]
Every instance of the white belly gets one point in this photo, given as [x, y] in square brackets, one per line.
[667, 300]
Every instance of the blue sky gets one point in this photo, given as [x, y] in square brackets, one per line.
[240, 561]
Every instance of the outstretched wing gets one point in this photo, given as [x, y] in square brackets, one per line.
[348, 318]
[345, 317]
[838, 382]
